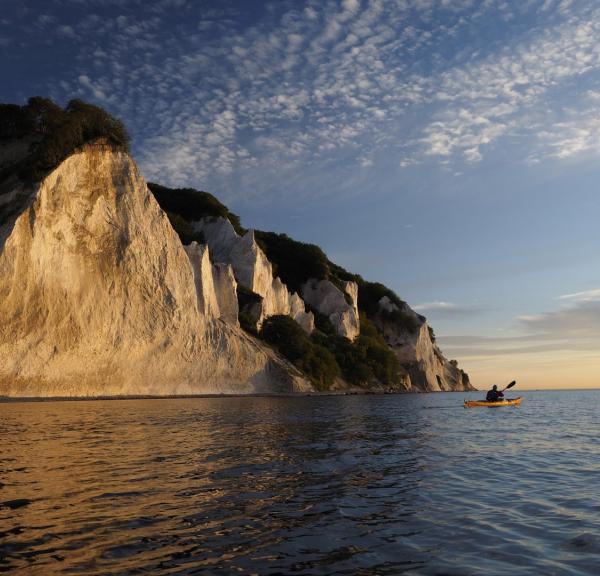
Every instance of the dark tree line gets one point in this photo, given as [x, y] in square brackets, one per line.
[193, 204]
[55, 132]
[325, 356]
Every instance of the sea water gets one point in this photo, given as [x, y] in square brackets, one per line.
[391, 484]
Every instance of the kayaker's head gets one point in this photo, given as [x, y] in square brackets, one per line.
[494, 387]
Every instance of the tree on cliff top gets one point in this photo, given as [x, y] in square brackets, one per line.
[193, 204]
[55, 133]
[294, 262]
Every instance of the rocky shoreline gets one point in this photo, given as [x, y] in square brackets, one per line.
[314, 394]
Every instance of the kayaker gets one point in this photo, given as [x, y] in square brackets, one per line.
[494, 395]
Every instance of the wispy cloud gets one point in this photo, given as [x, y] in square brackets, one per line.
[461, 131]
[579, 321]
[442, 309]
[224, 93]
[66, 32]
[574, 327]
[438, 305]
[592, 295]
[576, 321]
[572, 133]
[505, 94]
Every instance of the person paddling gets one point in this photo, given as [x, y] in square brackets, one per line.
[494, 395]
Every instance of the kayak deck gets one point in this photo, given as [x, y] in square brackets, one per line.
[483, 403]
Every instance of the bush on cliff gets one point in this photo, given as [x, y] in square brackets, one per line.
[193, 204]
[184, 230]
[350, 358]
[380, 358]
[403, 318]
[294, 262]
[286, 335]
[56, 133]
[370, 293]
[39, 116]
[297, 262]
[366, 359]
[248, 302]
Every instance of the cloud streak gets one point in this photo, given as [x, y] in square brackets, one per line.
[578, 321]
[592, 295]
[214, 93]
[574, 328]
[442, 309]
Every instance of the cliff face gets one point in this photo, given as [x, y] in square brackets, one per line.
[98, 295]
[252, 270]
[215, 285]
[424, 368]
[411, 338]
[341, 308]
[111, 286]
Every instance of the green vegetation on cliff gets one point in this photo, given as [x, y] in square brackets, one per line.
[247, 301]
[184, 229]
[365, 360]
[323, 357]
[288, 338]
[192, 205]
[54, 133]
[294, 262]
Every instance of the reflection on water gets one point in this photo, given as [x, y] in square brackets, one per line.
[333, 485]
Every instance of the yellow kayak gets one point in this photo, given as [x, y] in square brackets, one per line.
[507, 402]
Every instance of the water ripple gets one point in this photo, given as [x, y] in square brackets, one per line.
[337, 485]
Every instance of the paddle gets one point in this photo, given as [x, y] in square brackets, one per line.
[506, 388]
[510, 385]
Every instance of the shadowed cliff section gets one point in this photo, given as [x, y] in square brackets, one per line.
[394, 347]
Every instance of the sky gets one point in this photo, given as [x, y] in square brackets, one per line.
[447, 148]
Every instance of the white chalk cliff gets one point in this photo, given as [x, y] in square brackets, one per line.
[410, 337]
[340, 307]
[215, 285]
[252, 270]
[98, 295]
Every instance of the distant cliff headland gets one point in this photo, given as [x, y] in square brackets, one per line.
[112, 286]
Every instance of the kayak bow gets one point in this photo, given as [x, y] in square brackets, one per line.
[483, 403]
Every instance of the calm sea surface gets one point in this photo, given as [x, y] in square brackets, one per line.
[334, 485]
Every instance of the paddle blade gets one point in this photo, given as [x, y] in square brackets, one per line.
[511, 384]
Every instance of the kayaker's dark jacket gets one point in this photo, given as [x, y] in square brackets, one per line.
[493, 396]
